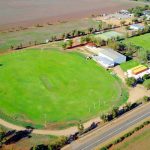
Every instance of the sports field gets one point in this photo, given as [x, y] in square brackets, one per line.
[142, 41]
[50, 86]
[109, 35]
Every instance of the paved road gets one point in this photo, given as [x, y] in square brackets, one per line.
[117, 126]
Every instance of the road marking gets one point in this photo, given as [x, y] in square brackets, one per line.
[114, 131]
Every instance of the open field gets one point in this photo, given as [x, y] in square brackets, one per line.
[142, 41]
[40, 34]
[45, 87]
[26, 143]
[32, 12]
[138, 141]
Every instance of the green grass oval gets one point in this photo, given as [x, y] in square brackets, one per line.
[54, 86]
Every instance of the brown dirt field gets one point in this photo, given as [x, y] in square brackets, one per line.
[138, 141]
[26, 13]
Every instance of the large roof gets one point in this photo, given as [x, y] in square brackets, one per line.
[137, 26]
[104, 60]
[139, 69]
[111, 53]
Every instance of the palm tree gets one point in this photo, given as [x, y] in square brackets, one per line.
[2, 136]
[88, 39]
[135, 20]
[127, 106]
[11, 47]
[35, 42]
[110, 26]
[70, 43]
[90, 30]
[80, 126]
[30, 43]
[63, 35]
[122, 22]
[100, 26]
[64, 45]
[115, 112]
[82, 40]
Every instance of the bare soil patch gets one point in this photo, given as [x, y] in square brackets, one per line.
[26, 13]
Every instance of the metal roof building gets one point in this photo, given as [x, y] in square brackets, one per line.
[112, 55]
[136, 27]
[105, 62]
[107, 57]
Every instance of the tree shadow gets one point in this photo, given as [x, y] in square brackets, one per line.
[9, 133]
[17, 136]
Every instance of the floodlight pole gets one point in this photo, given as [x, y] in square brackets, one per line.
[45, 119]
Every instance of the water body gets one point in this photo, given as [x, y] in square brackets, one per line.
[19, 12]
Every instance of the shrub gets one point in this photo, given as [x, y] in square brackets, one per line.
[131, 81]
[115, 111]
[103, 148]
[58, 143]
[147, 84]
[146, 98]
[109, 145]
[147, 122]
[146, 76]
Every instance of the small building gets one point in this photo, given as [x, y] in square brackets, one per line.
[136, 27]
[126, 12]
[146, 12]
[138, 72]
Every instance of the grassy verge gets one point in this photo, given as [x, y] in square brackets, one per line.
[125, 136]
[129, 64]
[142, 41]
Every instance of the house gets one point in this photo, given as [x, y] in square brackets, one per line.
[107, 57]
[124, 12]
[136, 27]
[146, 12]
[138, 72]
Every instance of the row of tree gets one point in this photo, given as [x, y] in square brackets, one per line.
[115, 112]
[71, 34]
[138, 11]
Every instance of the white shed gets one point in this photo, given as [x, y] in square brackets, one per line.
[106, 57]
[136, 27]
[112, 55]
